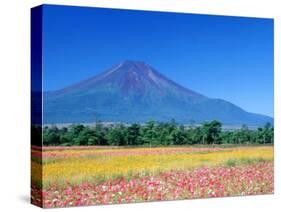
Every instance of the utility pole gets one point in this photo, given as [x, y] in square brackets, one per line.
[96, 118]
[203, 139]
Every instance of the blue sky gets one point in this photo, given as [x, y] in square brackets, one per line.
[219, 56]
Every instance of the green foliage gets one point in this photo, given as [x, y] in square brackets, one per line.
[154, 134]
[211, 132]
[117, 136]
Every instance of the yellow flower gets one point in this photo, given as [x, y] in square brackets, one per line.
[95, 165]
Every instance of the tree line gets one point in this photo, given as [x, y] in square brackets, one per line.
[151, 134]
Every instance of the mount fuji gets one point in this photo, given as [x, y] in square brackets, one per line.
[134, 91]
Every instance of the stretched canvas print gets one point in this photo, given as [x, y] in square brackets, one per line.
[135, 106]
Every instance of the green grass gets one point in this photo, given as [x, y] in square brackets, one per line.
[245, 161]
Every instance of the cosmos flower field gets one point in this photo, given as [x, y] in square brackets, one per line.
[91, 175]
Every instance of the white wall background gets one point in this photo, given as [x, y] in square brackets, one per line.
[14, 101]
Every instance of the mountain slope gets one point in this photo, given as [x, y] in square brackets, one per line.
[135, 92]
